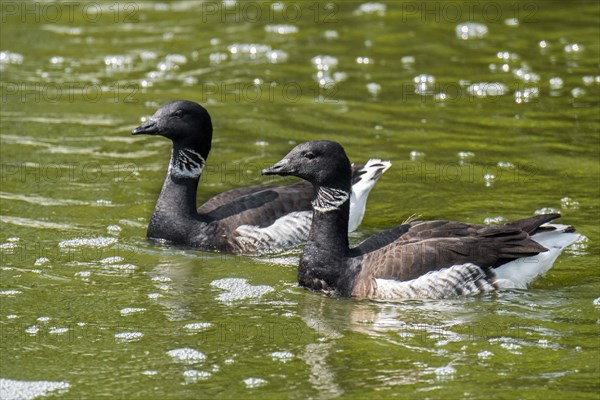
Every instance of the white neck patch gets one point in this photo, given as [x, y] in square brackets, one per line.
[186, 163]
[329, 199]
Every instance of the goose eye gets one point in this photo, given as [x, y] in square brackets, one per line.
[178, 114]
[309, 155]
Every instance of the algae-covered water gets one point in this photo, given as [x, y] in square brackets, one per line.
[488, 111]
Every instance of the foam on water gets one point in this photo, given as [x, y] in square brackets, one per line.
[198, 326]
[446, 372]
[124, 337]
[10, 292]
[132, 310]
[187, 355]
[239, 289]
[283, 356]
[27, 390]
[494, 220]
[88, 242]
[7, 57]
[192, 375]
[252, 383]
[546, 210]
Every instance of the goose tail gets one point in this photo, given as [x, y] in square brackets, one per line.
[364, 178]
[521, 272]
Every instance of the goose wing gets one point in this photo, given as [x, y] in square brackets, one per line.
[422, 247]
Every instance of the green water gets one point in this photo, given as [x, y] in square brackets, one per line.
[87, 301]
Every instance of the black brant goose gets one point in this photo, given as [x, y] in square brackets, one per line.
[253, 219]
[431, 259]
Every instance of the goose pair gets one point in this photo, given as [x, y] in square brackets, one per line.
[432, 259]
[248, 220]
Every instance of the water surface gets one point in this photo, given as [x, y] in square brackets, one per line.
[483, 122]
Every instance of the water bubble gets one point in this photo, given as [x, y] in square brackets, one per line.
[569, 203]
[466, 155]
[324, 63]
[373, 88]
[485, 354]
[445, 372]
[588, 80]
[10, 292]
[556, 83]
[7, 57]
[129, 336]
[88, 242]
[578, 92]
[41, 261]
[252, 383]
[281, 29]
[113, 229]
[194, 376]
[439, 97]
[198, 326]
[489, 179]
[485, 89]
[58, 331]
[283, 356]
[494, 220]
[416, 154]
[424, 84]
[508, 56]
[364, 60]
[407, 61]
[371, 8]
[331, 34]
[526, 75]
[275, 56]
[511, 22]
[217, 58]
[215, 41]
[505, 164]
[118, 62]
[526, 95]
[471, 30]
[187, 355]
[239, 289]
[544, 44]
[573, 48]
[57, 60]
[131, 310]
[546, 210]
[340, 76]
[248, 48]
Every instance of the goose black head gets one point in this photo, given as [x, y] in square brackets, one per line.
[321, 162]
[186, 123]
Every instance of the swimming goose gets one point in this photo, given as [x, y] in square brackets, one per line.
[252, 219]
[423, 259]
